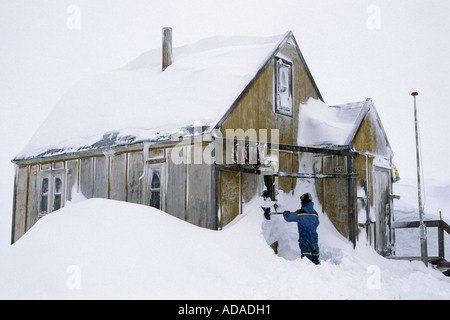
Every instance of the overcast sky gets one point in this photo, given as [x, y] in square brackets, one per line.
[355, 50]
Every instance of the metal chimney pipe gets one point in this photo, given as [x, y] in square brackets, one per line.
[166, 47]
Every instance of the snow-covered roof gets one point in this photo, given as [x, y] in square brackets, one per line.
[320, 124]
[139, 102]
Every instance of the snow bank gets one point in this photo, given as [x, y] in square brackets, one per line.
[320, 124]
[104, 249]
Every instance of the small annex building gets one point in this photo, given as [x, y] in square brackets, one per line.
[200, 130]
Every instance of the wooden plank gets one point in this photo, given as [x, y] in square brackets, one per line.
[87, 177]
[34, 195]
[343, 150]
[317, 175]
[198, 194]
[118, 177]
[325, 150]
[135, 171]
[298, 175]
[224, 167]
[176, 186]
[13, 220]
[20, 206]
[101, 177]
[335, 195]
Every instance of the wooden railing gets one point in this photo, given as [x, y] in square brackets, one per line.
[440, 224]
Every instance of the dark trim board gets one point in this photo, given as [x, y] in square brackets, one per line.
[297, 175]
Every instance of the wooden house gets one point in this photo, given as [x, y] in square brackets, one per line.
[217, 125]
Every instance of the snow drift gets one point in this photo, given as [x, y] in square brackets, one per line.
[104, 249]
[321, 124]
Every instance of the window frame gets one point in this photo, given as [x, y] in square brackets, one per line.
[150, 167]
[56, 192]
[44, 194]
[153, 189]
[280, 64]
[51, 193]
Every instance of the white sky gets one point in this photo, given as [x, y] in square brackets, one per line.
[355, 49]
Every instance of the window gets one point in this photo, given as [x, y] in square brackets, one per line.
[283, 86]
[155, 188]
[52, 191]
[57, 194]
[44, 196]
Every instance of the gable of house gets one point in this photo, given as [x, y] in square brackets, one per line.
[371, 136]
[258, 105]
[358, 126]
[268, 106]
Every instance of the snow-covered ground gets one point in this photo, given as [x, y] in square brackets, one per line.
[105, 249]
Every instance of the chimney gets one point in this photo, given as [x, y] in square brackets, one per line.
[166, 48]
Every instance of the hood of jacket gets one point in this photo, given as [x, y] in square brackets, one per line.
[309, 207]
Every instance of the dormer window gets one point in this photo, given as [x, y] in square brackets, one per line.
[283, 86]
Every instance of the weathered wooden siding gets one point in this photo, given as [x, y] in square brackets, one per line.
[117, 177]
[100, 177]
[256, 111]
[335, 195]
[33, 193]
[135, 190]
[229, 196]
[187, 188]
[176, 186]
[370, 137]
[87, 177]
[20, 203]
[199, 194]
[375, 152]
[382, 191]
[371, 143]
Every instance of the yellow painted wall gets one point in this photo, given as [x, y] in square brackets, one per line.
[256, 111]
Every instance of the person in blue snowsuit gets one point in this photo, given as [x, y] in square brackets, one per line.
[307, 221]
